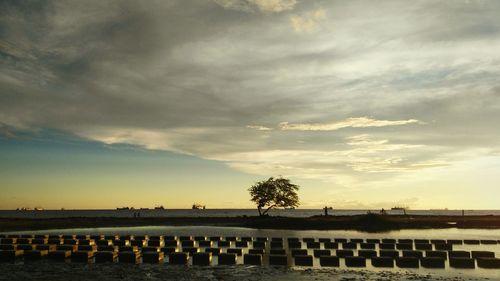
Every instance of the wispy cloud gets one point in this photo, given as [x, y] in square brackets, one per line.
[266, 6]
[308, 21]
[355, 122]
[259, 128]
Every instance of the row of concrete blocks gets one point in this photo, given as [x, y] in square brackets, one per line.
[249, 239]
[224, 243]
[205, 259]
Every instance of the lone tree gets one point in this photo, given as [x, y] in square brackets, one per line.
[274, 192]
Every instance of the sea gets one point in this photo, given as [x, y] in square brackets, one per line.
[44, 214]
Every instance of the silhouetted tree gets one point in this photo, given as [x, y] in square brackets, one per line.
[274, 192]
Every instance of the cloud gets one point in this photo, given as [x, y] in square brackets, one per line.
[266, 6]
[354, 122]
[259, 128]
[308, 21]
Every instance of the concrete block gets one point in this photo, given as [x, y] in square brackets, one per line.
[223, 243]
[215, 238]
[331, 245]
[262, 239]
[324, 240]
[369, 246]
[382, 262]
[25, 247]
[372, 240]
[205, 244]
[81, 256]
[39, 241]
[357, 240]
[329, 261]
[150, 249]
[308, 239]
[389, 241]
[200, 238]
[237, 251]
[185, 238]
[106, 256]
[278, 260]
[88, 242]
[171, 243]
[202, 259]
[432, 262]
[318, 253]
[303, 260]
[405, 241]
[169, 237]
[120, 249]
[407, 262]
[313, 245]
[227, 259]
[340, 240]
[213, 251]
[190, 250]
[246, 238]
[344, 253]
[187, 243]
[230, 238]
[54, 241]
[8, 247]
[415, 254]
[459, 254]
[178, 258]
[355, 261]
[45, 247]
[59, 255]
[276, 244]
[488, 263]
[35, 255]
[350, 245]
[87, 248]
[138, 243]
[387, 246]
[455, 241]
[404, 246]
[72, 248]
[422, 241]
[155, 243]
[168, 250]
[294, 245]
[388, 253]
[436, 254]
[10, 255]
[482, 254]
[423, 246]
[438, 241]
[367, 253]
[104, 242]
[299, 252]
[129, 257]
[252, 259]
[241, 244]
[23, 241]
[152, 257]
[277, 252]
[485, 242]
[256, 251]
[70, 242]
[258, 244]
[443, 247]
[462, 263]
[471, 242]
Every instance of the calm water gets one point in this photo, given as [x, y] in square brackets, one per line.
[220, 213]
[65, 271]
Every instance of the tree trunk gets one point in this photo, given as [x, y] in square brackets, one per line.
[267, 210]
[260, 212]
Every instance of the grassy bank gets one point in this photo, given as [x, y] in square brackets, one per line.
[370, 222]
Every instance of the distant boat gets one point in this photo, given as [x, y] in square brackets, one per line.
[123, 208]
[159, 207]
[38, 209]
[399, 208]
[198, 207]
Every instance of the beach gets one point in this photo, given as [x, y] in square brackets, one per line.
[370, 222]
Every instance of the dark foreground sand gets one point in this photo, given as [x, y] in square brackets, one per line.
[112, 272]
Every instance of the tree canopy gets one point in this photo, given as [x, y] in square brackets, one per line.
[274, 192]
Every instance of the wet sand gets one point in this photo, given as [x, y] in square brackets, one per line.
[111, 272]
[370, 223]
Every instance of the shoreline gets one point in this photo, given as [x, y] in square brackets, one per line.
[366, 223]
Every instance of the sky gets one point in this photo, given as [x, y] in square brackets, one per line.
[364, 104]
